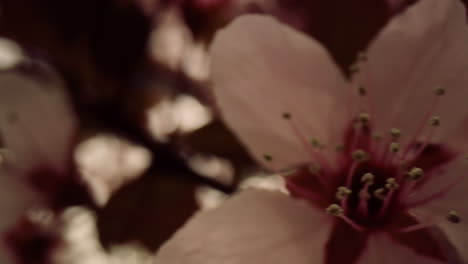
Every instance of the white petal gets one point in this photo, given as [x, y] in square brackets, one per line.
[36, 122]
[261, 69]
[250, 228]
[381, 249]
[423, 48]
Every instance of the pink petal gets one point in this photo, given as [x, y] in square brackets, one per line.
[455, 199]
[252, 227]
[36, 122]
[261, 69]
[383, 250]
[423, 48]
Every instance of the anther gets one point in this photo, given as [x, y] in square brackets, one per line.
[363, 118]
[359, 155]
[414, 174]
[394, 147]
[316, 143]
[380, 194]
[395, 133]
[335, 210]
[368, 178]
[453, 217]
[267, 157]
[362, 91]
[342, 193]
[286, 115]
[439, 91]
[434, 121]
[392, 184]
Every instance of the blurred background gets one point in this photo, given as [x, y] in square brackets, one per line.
[151, 149]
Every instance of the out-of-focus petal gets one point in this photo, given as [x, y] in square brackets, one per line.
[36, 122]
[381, 249]
[262, 69]
[423, 48]
[250, 228]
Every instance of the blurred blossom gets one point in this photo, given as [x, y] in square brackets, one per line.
[170, 39]
[181, 114]
[265, 182]
[11, 54]
[107, 162]
[81, 244]
[374, 165]
[209, 198]
[213, 167]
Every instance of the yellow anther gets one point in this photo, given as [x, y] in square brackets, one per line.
[380, 194]
[335, 210]
[368, 178]
[439, 91]
[392, 184]
[434, 121]
[267, 157]
[395, 133]
[359, 155]
[286, 115]
[453, 217]
[316, 143]
[414, 174]
[363, 118]
[362, 91]
[342, 193]
[394, 147]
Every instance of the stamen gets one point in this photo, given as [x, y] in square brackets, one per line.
[368, 178]
[342, 193]
[438, 92]
[364, 195]
[394, 147]
[453, 217]
[267, 157]
[391, 186]
[414, 174]
[380, 194]
[358, 157]
[363, 118]
[395, 133]
[316, 143]
[435, 121]
[336, 210]
[314, 155]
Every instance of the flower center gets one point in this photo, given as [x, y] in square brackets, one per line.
[375, 175]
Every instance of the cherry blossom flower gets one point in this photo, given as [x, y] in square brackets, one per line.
[37, 129]
[374, 165]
